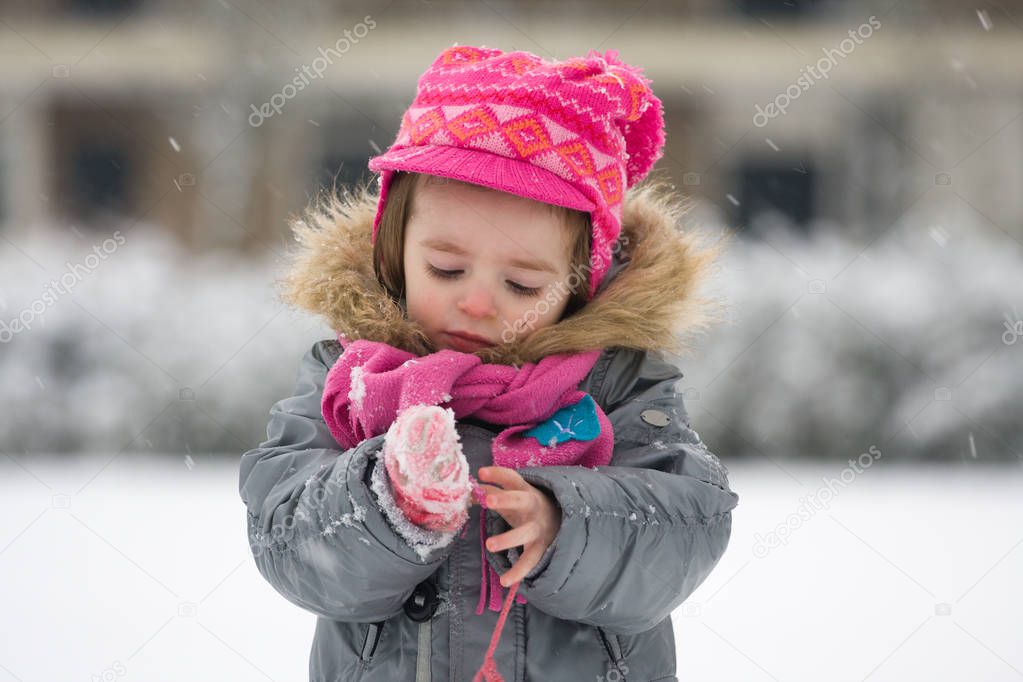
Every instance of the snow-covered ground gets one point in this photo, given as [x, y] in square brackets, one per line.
[133, 568]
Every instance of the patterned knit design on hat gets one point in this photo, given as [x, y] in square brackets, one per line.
[573, 133]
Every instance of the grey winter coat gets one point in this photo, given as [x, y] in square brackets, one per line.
[636, 536]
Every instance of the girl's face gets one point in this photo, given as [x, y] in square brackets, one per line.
[479, 262]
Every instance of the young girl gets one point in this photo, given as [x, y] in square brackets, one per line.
[503, 307]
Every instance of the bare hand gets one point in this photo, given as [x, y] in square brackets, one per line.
[534, 517]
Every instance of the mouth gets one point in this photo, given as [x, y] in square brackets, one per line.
[464, 341]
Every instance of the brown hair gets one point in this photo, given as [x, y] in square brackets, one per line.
[389, 247]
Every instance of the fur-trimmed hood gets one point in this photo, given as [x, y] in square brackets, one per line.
[650, 299]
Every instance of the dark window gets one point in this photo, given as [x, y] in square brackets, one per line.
[99, 178]
[101, 7]
[785, 189]
[782, 9]
[337, 169]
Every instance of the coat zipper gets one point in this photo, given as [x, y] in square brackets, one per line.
[521, 643]
[423, 651]
[614, 652]
[369, 645]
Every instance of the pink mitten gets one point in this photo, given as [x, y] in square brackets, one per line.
[428, 472]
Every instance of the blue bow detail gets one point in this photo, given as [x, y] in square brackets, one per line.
[574, 422]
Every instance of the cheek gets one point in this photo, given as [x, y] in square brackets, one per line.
[414, 287]
[426, 298]
[552, 303]
[535, 312]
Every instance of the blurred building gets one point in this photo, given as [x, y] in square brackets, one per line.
[150, 111]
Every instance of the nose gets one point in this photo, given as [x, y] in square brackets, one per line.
[477, 303]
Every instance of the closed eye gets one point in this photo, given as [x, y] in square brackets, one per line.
[515, 287]
[446, 274]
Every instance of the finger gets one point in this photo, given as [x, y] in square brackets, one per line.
[508, 500]
[503, 476]
[484, 490]
[530, 557]
[513, 538]
[490, 489]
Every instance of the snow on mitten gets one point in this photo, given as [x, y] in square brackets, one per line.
[428, 472]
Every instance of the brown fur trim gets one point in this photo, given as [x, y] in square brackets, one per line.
[654, 303]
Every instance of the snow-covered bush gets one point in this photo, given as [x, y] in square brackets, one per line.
[909, 340]
[133, 344]
[911, 343]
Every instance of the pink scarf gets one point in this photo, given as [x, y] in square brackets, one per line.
[372, 382]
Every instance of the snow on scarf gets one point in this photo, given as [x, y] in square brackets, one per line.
[549, 421]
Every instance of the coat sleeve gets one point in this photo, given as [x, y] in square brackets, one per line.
[317, 530]
[638, 536]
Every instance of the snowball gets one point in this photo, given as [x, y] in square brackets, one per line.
[422, 540]
[424, 455]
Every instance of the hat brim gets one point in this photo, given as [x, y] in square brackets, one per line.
[483, 168]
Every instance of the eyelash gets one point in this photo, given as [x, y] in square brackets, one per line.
[517, 289]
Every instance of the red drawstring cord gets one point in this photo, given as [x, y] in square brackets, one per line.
[490, 585]
[490, 580]
[488, 671]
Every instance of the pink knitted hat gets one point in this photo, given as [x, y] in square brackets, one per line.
[574, 133]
